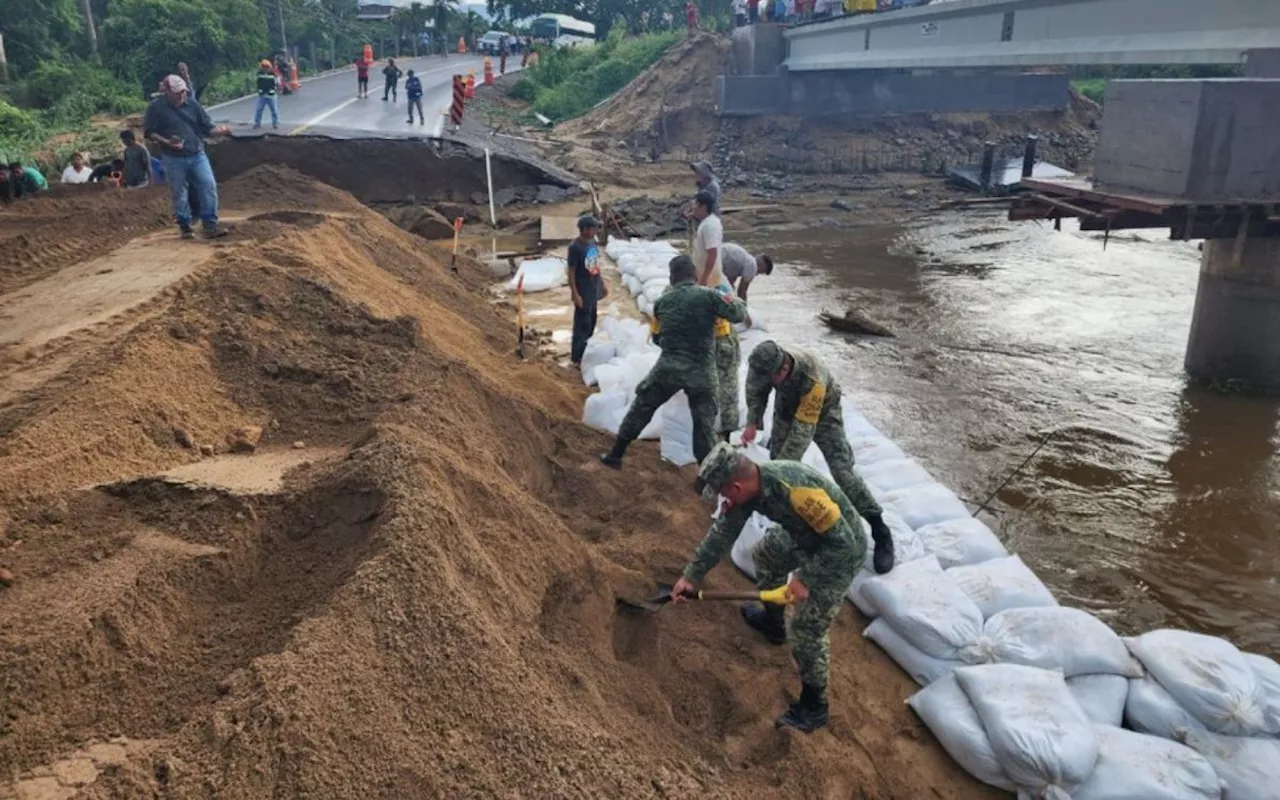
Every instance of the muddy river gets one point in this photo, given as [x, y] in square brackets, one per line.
[1153, 502]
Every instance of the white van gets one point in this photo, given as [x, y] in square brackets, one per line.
[488, 44]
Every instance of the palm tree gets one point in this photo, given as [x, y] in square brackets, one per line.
[443, 10]
[474, 26]
[412, 20]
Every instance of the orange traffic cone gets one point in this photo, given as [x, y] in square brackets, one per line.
[488, 71]
[462, 45]
[368, 52]
[293, 76]
[470, 92]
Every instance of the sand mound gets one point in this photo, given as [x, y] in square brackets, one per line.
[670, 105]
[432, 614]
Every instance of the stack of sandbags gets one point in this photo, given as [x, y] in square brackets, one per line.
[644, 267]
[540, 274]
[1225, 704]
[1021, 729]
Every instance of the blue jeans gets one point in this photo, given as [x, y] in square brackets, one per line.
[267, 101]
[181, 171]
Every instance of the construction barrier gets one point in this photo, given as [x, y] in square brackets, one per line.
[462, 45]
[488, 71]
[368, 52]
[294, 83]
[459, 95]
[470, 92]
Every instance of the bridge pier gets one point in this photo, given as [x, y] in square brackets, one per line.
[1235, 331]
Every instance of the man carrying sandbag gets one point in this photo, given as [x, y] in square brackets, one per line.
[684, 320]
[814, 539]
[807, 409]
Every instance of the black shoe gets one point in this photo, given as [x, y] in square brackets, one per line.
[768, 620]
[882, 559]
[213, 232]
[613, 458]
[807, 714]
[187, 233]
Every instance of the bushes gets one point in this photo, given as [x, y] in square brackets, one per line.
[1093, 88]
[570, 81]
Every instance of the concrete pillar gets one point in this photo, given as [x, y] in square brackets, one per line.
[1262, 63]
[1235, 331]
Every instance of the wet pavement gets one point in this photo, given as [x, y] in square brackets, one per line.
[1153, 502]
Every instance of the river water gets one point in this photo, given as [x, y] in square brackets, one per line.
[1154, 502]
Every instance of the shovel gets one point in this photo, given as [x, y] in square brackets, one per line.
[662, 596]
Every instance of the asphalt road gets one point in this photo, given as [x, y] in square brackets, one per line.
[330, 101]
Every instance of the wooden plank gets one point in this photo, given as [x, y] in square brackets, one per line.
[559, 229]
[1080, 189]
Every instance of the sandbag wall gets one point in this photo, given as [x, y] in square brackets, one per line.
[1027, 695]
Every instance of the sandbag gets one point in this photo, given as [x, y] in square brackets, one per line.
[926, 504]
[857, 426]
[926, 608]
[1133, 766]
[1150, 709]
[676, 431]
[627, 335]
[540, 274]
[1038, 732]
[1208, 677]
[597, 353]
[961, 541]
[895, 473]
[1249, 767]
[906, 544]
[1001, 584]
[946, 711]
[1267, 672]
[1054, 637]
[874, 450]
[1101, 696]
[924, 669]
[752, 533]
[604, 411]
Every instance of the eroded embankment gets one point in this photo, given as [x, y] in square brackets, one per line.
[406, 589]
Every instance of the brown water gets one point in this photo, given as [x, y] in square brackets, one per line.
[1154, 502]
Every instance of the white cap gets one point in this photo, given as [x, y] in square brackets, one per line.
[173, 83]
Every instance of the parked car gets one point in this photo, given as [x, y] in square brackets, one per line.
[488, 44]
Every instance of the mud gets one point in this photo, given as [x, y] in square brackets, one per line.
[422, 606]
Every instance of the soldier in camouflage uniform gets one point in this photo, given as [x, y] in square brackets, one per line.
[728, 354]
[683, 322]
[807, 409]
[815, 534]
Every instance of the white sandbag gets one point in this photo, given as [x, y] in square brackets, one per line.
[644, 305]
[752, 533]
[927, 504]
[894, 474]
[598, 352]
[906, 544]
[677, 431]
[1249, 767]
[859, 599]
[1208, 677]
[1001, 584]
[628, 335]
[924, 669]
[653, 291]
[1054, 637]
[1267, 672]
[1101, 696]
[540, 274]
[604, 411]
[1134, 765]
[857, 426]
[874, 450]
[926, 608]
[957, 542]
[946, 711]
[1038, 732]
[1150, 709]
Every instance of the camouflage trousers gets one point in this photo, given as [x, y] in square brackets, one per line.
[830, 438]
[728, 357]
[651, 393]
[829, 574]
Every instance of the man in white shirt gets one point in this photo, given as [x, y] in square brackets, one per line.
[740, 267]
[707, 244]
[707, 241]
[77, 172]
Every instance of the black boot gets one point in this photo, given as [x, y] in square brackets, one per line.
[770, 620]
[808, 713]
[882, 559]
[613, 458]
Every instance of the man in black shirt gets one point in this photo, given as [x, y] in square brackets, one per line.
[392, 73]
[266, 95]
[137, 161]
[585, 285]
[178, 124]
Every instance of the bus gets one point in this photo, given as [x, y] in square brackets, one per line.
[562, 30]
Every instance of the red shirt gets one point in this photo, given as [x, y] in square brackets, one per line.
[362, 68]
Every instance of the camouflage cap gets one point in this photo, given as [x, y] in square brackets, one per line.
[717, 468]
[767, 357]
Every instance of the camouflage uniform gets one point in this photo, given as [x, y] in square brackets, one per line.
[684, 318]
[728, 354]
[816, 533]
[806, 409]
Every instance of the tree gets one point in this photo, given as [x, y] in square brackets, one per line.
[445, 11]
[413, 20]
[39, 29]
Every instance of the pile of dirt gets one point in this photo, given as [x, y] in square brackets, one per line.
[670, 105]
[429, 613]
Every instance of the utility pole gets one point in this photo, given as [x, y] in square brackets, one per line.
[92, 31]
[4, 63]
[284, 42]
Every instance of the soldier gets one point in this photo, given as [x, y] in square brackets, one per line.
[815, 535]
[807, 409]
[684, 318]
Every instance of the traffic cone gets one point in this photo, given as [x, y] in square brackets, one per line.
[368, 52]
[488, 71]
[462, 45]
[470, 93]
[293, 76]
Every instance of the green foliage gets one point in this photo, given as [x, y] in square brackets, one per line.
[38, 29]
[570, 81]
[229, 86]
[1093, 88]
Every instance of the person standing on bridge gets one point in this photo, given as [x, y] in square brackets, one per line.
[413, 91]
[392, 74]
[179, 124]
[362, 76]
[266, 95]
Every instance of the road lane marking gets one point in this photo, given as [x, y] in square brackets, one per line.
[322, 117]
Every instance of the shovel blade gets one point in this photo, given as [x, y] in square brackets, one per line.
[660, 597]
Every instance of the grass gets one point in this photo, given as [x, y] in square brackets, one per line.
[570, 81]
[1093, 88]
